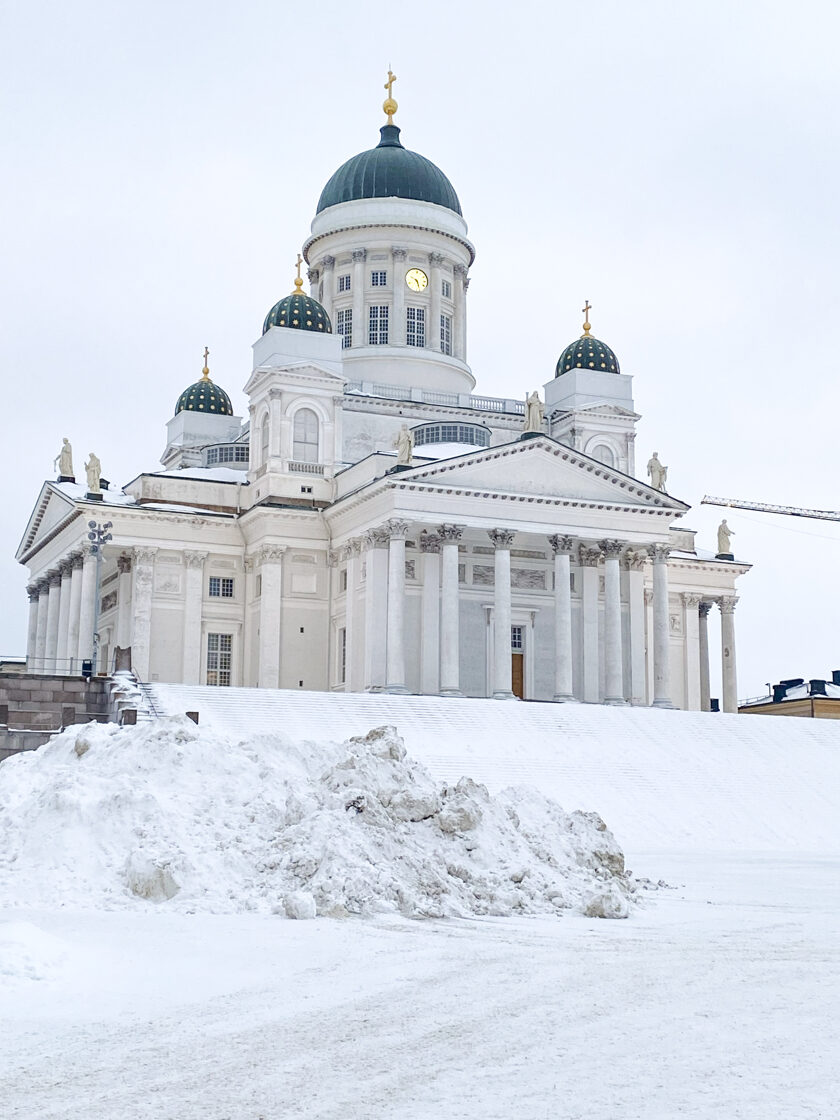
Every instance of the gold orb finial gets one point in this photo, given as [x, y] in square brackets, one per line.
[587, 326]
[205, 373]
[389, 105]
[298, 288]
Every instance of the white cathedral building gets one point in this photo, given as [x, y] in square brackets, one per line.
[373, 523]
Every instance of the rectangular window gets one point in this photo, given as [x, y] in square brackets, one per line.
[415, 326]
[446, 289]
[342, 655]
[219, 653]
[516, 638]
[344, 283]
[342, 580]
[221, 587]
[378, 326]
[258, 591]
[378, 279]
[446, 334]
[344, 326]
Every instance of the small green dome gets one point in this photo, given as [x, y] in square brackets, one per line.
[205, 396]
[587, 352]
[389, 171]
[300, 312]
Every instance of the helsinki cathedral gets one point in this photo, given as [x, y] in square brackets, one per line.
[375, 524]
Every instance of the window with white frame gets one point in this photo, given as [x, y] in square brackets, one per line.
[379, 278]
[415, 326]
[264, 441]
[305, 436]
[344, 326]
[344, 283]
[342, 655]
[446, 289]
[517, 638]
[603, 454]
[378, 325]
[221, 587]
[446, 334]
[219, 658]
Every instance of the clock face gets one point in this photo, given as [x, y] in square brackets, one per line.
[416, 279]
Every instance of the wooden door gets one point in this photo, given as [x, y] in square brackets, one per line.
[518, 674]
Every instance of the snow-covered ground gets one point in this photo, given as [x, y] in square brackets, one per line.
[715, 998]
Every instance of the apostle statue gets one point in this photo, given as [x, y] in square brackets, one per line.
[656, 472]
[64, 459]
[404, 444]
[533, 413]
[724, 539]
[93, 469]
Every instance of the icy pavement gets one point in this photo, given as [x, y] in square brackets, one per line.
[717, 1001]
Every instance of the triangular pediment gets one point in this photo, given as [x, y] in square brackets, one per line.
[52, 510]
[305, 374]
[544, 468]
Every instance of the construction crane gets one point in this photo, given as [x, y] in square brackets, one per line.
[763, 507]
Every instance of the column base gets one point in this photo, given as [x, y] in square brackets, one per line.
[565, 699]
[450, 692]
[662, 704]
[504, 696]
[615, 701]
[395, 690]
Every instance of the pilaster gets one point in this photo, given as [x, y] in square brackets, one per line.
[501, 539]
[270, 558]
[376, 581]
[395, 664]
[590, 558]
[141, 597]
[193, 595]
[562, 548]
[430, 614]
[450, 673]
[613, 656]
[661, 628]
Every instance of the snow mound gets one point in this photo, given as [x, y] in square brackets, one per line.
[167, 814]
[28, 952]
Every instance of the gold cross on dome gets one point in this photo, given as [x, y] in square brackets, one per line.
[299, 263]
[392, 77]
[587, 326]
[206, 370]
[298, 288]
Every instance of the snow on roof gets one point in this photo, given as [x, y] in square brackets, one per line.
[78, 493]
[205, 474]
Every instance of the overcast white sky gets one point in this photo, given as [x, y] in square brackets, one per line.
[675, 164]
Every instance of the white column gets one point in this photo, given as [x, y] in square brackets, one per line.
[395, 667]
[459, 327]
[433, 328]
[502, 675]
[727, 648]
[32, 629]
[589, 560]
[635, 562]
[562, 547]
[74, 613]
[661, 628]
[450, 651]
[705, 686]
[124, 600]
[613, 654]
[62, 655]
[247, 623]
[41, 628]
[397, 331]
[360, 336]
[691, 627]
[141, 598]
[353, 621]
[430, 614]
[376, 601]
[271, 615]
[87, 607]
[53, 610]
[193, 597]
[328, 278]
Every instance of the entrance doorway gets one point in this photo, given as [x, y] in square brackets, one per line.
[517, 674]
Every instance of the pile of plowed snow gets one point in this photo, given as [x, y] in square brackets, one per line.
[174, 815]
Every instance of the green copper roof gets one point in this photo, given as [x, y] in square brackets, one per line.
[300, 312]
[204, 396]
[587, 352]
[389, 171]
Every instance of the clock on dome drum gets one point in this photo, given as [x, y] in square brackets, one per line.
[416, 279]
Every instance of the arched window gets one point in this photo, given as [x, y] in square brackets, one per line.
[305, 448]
[603, 454]
[264, 441]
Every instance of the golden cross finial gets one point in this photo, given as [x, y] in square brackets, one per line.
[298, 290]
[206, 371]
[586, 324]
[389, 105]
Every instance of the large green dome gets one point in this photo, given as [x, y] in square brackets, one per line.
[587, 352]
[300, 312]
[205, 396]
[389, 171]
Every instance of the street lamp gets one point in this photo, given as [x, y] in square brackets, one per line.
[98, 536]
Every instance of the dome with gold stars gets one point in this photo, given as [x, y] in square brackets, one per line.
[298, 311]
[205, 396]
[587, 352]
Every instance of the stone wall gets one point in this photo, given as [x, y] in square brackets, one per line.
[32, 707]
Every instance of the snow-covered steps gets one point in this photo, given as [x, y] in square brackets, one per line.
[661, 779]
